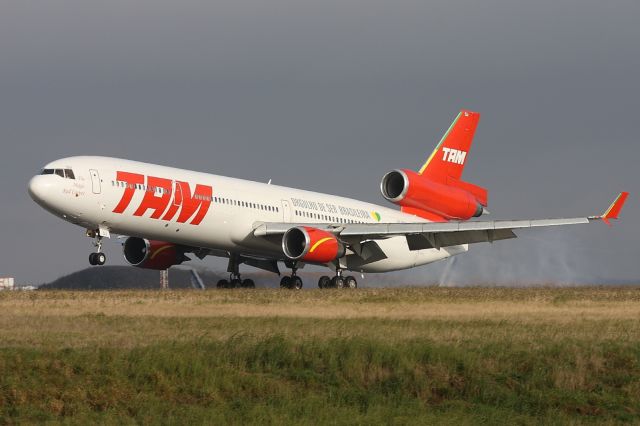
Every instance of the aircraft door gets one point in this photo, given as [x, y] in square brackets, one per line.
[286, 211]
[95, 181]
[177, 194]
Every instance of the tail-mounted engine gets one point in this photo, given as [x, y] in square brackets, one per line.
[311, 245]
[152, 254]
[451, 199]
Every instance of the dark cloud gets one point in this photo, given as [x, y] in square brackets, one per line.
[331, 95]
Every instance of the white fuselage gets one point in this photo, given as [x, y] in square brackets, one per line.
[228, 213]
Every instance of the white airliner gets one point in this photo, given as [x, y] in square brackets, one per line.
[168, 212]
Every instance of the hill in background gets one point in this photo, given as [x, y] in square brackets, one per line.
[128, 277]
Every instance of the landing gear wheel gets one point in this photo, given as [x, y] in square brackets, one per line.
[285, 282]
[248, 283]
[337, 282]
[222, 284]
[324, 282]
[296, 282]
[97, 259]
[350, 282]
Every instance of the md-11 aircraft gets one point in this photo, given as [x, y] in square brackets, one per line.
[168, 213]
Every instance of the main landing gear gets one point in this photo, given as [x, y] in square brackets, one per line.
[235, 281]
[292, 282]
[338, 281]
[98, 258]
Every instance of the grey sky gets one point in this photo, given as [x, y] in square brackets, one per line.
[329, 95]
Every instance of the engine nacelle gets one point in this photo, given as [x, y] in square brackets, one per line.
[410, 189]
[311, 245]
[151, 254]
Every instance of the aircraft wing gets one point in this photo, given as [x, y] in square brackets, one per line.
[424, 235]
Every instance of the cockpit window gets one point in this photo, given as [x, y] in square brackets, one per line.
[64, 173]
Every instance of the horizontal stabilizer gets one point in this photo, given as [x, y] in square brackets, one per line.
[480, 193]
[433, 217]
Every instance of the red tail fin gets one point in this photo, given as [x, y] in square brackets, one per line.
[449, 157]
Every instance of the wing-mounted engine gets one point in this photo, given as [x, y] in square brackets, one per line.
[449, 199]
[311, 245]
[152, 254]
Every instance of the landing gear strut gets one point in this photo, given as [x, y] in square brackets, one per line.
[338, 281]
[97, 258]
[235, 281]
[294, 281]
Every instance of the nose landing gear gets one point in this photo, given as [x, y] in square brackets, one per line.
[98, 258]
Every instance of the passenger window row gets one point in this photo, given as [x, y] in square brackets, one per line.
[246, 204]
[148, 188]
[220, 200]
[63, 173]
[328, 218]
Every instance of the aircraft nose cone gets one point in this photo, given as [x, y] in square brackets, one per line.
[39, 187]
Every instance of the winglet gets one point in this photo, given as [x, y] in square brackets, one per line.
[614, 209]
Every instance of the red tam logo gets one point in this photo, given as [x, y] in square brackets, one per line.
[162, 196]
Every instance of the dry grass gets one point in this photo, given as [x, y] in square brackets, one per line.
[411, 303]
[458, 316]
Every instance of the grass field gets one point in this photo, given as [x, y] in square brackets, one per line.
[384, 356]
